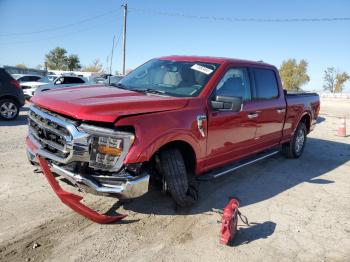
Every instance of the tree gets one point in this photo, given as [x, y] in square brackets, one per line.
[56, 59]
[294, 74]
[39, 67]
[340, 80]
[334, 80]
[23, 66]
[73, 63]
[329, 79]
[95, 67]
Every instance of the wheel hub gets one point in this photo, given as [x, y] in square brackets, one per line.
[299, 141]
[8, 110]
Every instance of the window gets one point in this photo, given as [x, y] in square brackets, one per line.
[28, 78]
[234, 83]
[265, 84]
[72, 80]
[170, 77]
[34, 78]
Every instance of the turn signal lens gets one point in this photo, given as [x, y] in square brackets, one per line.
[106, 150]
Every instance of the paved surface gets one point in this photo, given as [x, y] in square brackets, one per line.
[299, 210]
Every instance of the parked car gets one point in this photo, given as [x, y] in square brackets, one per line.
[99, 79]
[11, 96]
[52, 77]
[30, 87]
[60, 82]
[26, 77]
[173, 120]
[112, 80]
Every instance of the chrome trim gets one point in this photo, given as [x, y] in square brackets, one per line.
[127, 189]
[77, 140]
[253, 115]
[200, 120]
[245, 164]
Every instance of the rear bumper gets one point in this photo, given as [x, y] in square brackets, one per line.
[125, 187]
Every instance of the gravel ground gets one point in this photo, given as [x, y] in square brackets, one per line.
[299, 210]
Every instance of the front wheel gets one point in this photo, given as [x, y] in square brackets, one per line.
[8, 109]
[295, 147]
[182, 185]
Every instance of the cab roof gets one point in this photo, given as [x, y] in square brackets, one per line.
[217, 60]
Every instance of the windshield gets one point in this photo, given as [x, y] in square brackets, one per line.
[44, 79]
[173, 78]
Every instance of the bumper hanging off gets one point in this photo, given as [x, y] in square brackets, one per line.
[72, 200]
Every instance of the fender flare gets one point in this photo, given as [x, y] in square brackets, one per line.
[306, 112]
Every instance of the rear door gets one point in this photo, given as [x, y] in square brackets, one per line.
[231, 135]
[270, 107]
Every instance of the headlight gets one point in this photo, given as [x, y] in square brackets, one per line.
[108, 147]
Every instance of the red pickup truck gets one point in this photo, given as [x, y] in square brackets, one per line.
[171, 120]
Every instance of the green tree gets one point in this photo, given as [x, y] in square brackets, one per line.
[95, 67]
[56, 59]
[73, 63]
[23, 66]
[294, 74]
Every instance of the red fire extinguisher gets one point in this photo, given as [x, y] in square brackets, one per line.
[229, 221]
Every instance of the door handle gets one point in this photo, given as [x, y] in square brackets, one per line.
[281, 110]
[253, 115]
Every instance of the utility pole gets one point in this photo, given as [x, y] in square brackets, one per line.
[110, 67]
[125, 7]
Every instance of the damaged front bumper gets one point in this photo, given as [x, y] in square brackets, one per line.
[125, 186]
[72, 200]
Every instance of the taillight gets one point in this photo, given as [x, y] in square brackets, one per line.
[16, 84]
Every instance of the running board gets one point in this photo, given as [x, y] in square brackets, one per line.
[227, 169]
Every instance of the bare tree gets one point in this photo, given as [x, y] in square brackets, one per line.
[95, 67]
[334, 80]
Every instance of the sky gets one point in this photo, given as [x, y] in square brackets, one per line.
[29, 29]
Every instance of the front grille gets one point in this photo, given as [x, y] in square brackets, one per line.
[51, 135]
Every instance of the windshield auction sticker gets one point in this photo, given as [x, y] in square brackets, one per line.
[202, 69]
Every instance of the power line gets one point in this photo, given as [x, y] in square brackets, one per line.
[63, 26]
[56, 36]
[238, 19]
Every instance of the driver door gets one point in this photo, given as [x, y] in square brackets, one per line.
[231, 134]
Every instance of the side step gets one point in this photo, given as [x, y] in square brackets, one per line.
[232, 167]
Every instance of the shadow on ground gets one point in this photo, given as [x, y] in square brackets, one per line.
[320, 119]
[253, 232]
[257, 182]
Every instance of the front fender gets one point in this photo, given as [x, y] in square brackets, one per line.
[147, 151]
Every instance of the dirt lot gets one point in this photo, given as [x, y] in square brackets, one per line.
[299, 210]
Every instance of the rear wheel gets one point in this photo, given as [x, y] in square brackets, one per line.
[295, 147]
[181, 184]
[8, 109]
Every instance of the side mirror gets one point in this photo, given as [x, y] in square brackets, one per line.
[58, 82]
[227, 103]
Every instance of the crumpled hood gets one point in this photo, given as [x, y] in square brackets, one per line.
[103, 103]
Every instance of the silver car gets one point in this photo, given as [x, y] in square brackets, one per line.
[62, 81]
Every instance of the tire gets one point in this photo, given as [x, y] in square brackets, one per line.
[183, 186]
[295, 148]
[9, 109]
